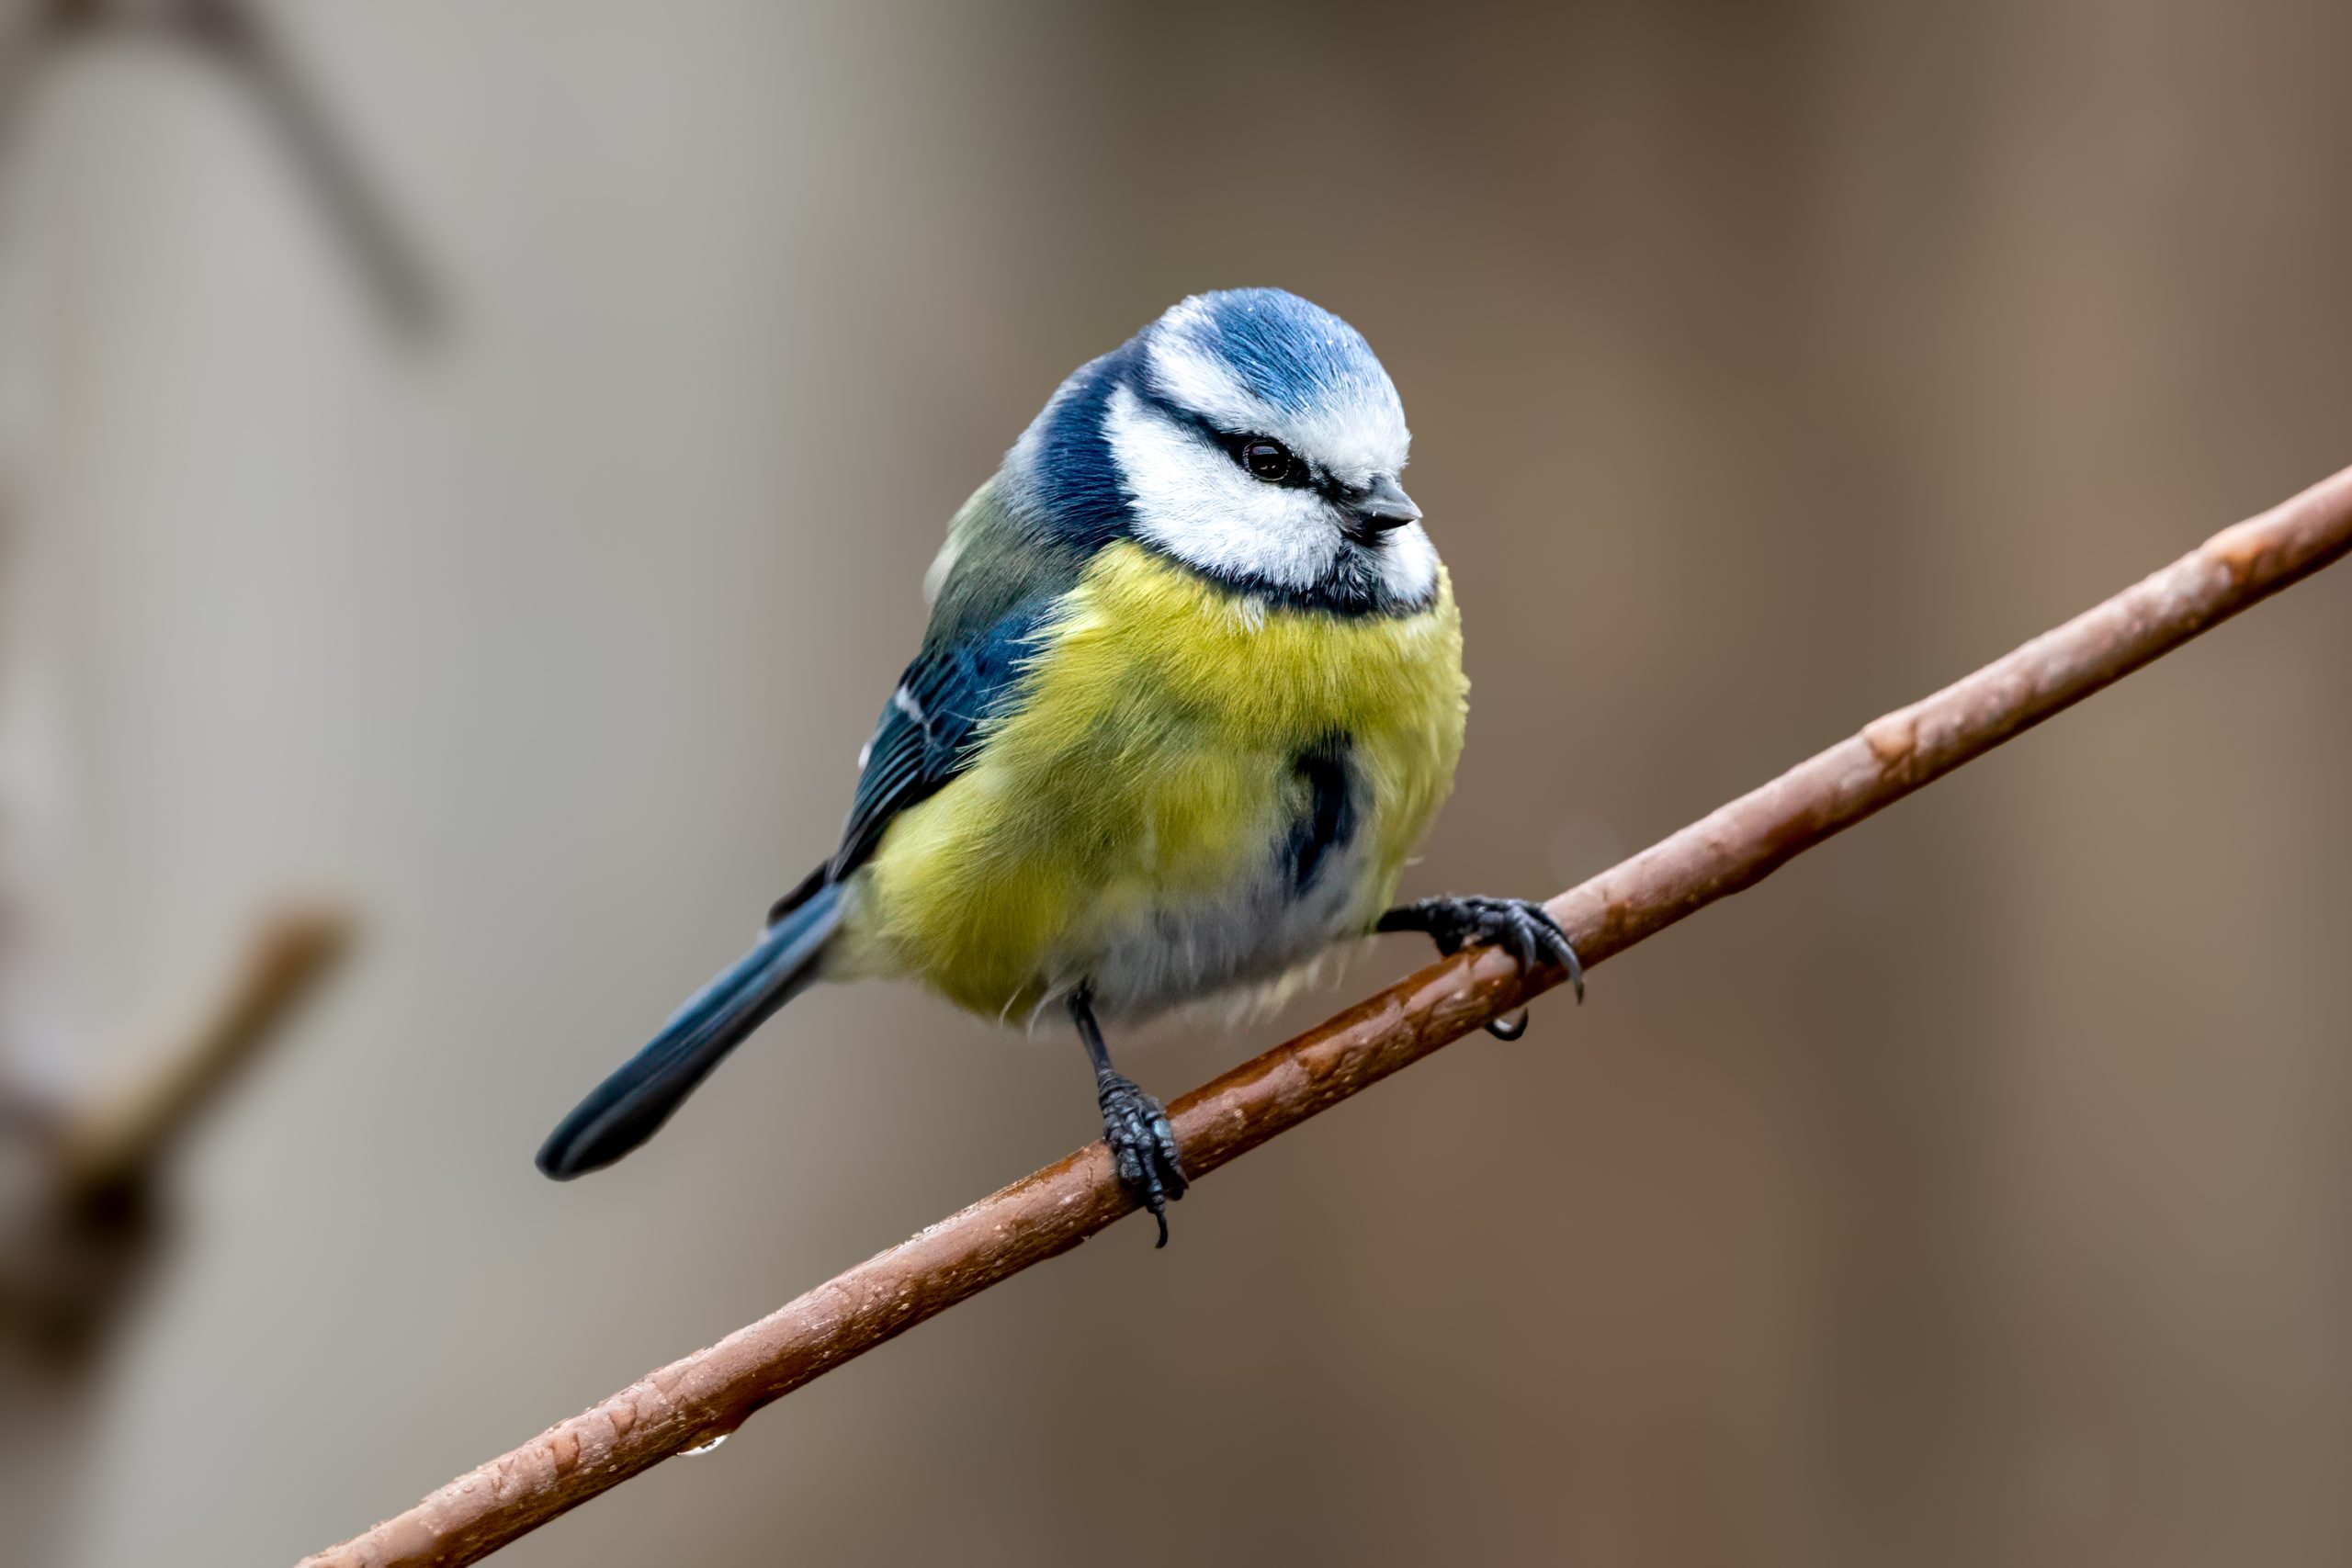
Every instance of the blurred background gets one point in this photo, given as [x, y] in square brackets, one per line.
[1972, 1192]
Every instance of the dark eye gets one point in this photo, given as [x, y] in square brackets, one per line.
[1267, 460]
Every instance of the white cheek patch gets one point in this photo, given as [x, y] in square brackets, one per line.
[1408, 564]
[1196, 503]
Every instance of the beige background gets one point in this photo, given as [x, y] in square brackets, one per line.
[1973, 1192]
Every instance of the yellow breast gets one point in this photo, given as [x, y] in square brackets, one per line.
[1149, 772]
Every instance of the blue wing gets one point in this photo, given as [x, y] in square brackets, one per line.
[929, 732]
[930, 729]
[999, 582]
[995, 586]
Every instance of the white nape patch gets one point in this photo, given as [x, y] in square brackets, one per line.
[1198, 504]
[1356, 431]
[942, 566]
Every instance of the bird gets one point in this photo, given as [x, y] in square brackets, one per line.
[1190, 696]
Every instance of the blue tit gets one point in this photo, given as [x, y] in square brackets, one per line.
[1189, 695]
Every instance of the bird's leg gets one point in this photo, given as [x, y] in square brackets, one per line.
[1143, 1145]
[1521, 927]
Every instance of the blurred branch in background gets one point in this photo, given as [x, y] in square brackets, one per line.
[86, 1216]
[239, 37]
[117, 1139]
[703, 1397]
[80, 1212]
[85, 1177]
[79, 1216]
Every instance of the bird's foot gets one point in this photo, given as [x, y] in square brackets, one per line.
[1143, 1145]
[1521, 927]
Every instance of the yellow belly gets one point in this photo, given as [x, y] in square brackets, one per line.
[1139, 795]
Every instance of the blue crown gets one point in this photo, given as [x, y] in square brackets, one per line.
[1281, 353]
[1288, 352]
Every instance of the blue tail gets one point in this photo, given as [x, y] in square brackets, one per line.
[630, 1106]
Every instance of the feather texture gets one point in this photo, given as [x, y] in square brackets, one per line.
[630, 1106]
[1135, 820]
[1176, 723]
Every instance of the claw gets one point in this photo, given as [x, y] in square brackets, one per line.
[1508, 1028]
[1525, 930]
[1563, 953]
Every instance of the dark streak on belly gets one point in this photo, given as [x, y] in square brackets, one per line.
[1328, 820]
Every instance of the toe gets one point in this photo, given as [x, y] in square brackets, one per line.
[1567, 959]
[1172, 1171]
[1170, 1158]
[1446, 929]
[1143, 1149]
[1525, 946]
[1554, 940]
[1562, 951]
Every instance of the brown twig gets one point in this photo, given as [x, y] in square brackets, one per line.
[709, 1393]
[120, 1135]
[239, 37]
[242, 38]
[81, 1213]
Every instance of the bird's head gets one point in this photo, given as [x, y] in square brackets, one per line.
[1249, 434]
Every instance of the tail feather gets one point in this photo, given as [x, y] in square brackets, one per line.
[630, 1106]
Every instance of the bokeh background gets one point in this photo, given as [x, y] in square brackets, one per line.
[1972, 1192]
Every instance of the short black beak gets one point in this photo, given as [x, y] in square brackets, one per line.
[1384, 505]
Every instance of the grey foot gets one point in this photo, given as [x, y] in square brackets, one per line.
[1143, 1145]
[1521, 927]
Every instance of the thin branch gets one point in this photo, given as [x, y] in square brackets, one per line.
[709, 1393]
[84, 1218]
[244, 39]
[120, 1135]
[239, 37]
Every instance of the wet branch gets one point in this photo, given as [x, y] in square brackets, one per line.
[710, 1392]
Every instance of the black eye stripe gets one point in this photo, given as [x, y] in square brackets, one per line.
[1237, 443]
